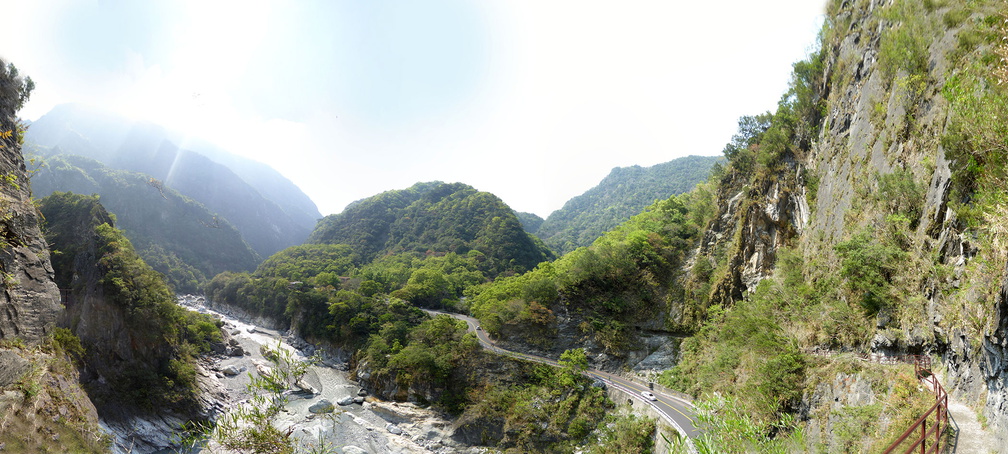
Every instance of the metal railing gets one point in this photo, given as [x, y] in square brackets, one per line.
[920, 433]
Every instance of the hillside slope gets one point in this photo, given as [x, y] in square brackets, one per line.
[625, 192]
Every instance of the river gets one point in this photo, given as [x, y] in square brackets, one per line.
[371, 427]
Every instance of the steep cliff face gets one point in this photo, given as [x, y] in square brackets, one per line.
[888, 116]
[894, 206]
[29, 302]
[43, 406]
[762, 217]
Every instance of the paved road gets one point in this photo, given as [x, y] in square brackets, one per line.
[675, 410]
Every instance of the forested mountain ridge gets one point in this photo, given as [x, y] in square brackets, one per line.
[176, 235]
[434, 218]
[267, 224]
[625, 192]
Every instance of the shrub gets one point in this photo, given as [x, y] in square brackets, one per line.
[868, 265]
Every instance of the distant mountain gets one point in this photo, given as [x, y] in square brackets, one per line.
[269, 211]
[434, 218]
[530, 221]
[622, 194]
[176, 235]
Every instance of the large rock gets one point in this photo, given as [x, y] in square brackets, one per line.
[236, 350]
[321, 407]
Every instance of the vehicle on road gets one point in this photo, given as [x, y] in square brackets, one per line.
[648, 395]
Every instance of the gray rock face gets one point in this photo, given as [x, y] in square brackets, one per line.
[12, 367]
[30, 306]
[830, 398]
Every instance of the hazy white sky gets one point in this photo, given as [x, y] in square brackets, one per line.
[532, 100]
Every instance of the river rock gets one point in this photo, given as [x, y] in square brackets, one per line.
[322, 406]
[305, 388]
[393, 429]
[235, 350]
[231, 370]
[358, 400]
[363, 392]
[345, 401]
[351, 449]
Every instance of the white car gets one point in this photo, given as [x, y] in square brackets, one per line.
[648, 395]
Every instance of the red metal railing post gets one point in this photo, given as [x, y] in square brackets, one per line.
[943, 413]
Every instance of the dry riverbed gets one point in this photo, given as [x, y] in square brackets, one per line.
[371, 426]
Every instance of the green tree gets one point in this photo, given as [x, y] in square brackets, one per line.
[574, 362]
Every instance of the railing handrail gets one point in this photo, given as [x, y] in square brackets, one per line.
[939, 409]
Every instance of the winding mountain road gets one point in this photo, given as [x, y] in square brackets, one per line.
[673, 409]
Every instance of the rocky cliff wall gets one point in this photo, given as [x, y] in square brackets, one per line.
[30, 300]
[885, 66]
[884, 119]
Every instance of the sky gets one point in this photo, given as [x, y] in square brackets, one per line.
[532, 100]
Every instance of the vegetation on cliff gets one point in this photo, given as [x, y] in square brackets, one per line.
[874, 263]
[99, 266]
[43, 406]
[622, 281]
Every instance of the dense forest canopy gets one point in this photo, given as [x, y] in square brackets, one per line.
[435, 218]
